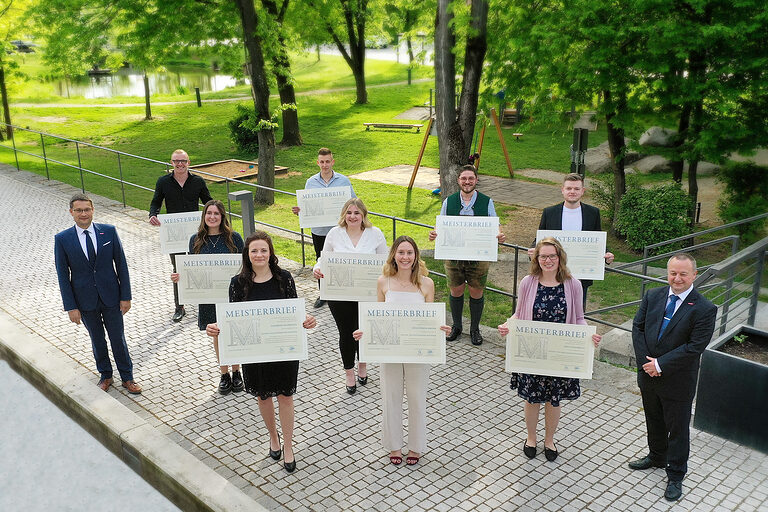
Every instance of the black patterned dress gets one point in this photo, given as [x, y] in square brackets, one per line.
[549, 306]
[266, 380]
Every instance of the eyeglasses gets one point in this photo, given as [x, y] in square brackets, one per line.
[179, 161]
[545, 257]
[82, 210]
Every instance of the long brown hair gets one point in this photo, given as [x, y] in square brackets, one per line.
[418, 270]
[562, 259]
[245, 277]
[202, 231]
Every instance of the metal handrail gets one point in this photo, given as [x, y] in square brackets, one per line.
[619, 269]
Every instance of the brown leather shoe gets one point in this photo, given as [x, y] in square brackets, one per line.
[132, 387]
[104, 384]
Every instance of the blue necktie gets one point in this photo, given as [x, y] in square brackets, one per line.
[90, 249]
[668, 313]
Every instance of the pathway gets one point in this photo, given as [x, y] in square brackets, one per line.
[476, 424]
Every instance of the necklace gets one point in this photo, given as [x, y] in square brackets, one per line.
[214, 243]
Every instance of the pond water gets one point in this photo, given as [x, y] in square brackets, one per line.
[130, 82]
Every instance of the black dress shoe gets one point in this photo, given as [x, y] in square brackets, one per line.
[476, 337]
[645, 463]
[178, 314]
[237, 381]
[551, 455]
[351, 389]
[362, 380]
[455, 333]
[674, 491]
[529, 451]
[225, 384]
[319, 303]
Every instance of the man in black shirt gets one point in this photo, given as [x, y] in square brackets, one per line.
[181, 191]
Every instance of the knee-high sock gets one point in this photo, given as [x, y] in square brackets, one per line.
[457, 308]
[475, 312]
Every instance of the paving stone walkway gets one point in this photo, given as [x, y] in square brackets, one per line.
[476, 423]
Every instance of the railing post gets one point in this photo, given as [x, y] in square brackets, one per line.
[246, 210]
[514, 280]
[756, 288]
[645, 272]
[394, 229]
[303, 254]
[122, 183]
[728, 289]
[229, 204]
[80, 167]
[15, 154]
[45, 158]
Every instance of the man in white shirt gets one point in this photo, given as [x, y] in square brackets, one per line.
[326, 178]
[573, 215]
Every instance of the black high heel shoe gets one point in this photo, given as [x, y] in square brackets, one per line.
[362, 380]
[351, 389]
[290, 467]
[551, 455]
[275, 454]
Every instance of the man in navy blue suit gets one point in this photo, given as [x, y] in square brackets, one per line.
[671, 329]
[95, 288]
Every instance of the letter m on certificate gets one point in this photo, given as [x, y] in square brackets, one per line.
[243, 333]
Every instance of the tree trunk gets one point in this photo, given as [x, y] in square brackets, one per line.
[260, 90]
[617, 149]
[456, 128]
[147, 108]
[449, 139]
[682, 132]
[281, 65]
[354, 24]
[409, 44]
[6, 108]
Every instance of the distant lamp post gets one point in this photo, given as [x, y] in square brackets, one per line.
[579, 150]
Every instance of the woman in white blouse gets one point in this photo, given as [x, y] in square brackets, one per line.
[355, 234]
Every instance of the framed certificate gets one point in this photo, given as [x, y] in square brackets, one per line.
[585, 250]
[547, 348]
[321, 206]
[466, 238]
[262, 331]
[176, 230]
[204, 278]
[402, 333]
[350, 276]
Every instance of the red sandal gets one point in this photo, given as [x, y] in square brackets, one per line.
[411, 461]
[395, 460]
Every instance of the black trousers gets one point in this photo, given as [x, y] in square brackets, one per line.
[346, 316]
[669, 438]
[318, 242]
[175, 285]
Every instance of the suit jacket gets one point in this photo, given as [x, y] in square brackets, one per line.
[679, 350]
[81, 286]
[552, 217]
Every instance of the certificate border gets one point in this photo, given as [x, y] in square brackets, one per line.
[183, 299]
[492, 258]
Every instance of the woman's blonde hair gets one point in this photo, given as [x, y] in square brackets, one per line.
[361, 206]
[418, 270]
[562, 259]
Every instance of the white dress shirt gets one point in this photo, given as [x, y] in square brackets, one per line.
[81, 238]
[372, 241]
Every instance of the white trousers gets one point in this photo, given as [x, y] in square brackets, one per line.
[415, 379]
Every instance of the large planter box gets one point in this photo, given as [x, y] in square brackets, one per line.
[732, 394]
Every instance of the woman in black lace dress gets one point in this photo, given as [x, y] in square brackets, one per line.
[547, 294]
[262, 279]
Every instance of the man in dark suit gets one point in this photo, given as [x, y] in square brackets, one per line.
[573, 215]
[671, 329]
[95, 288]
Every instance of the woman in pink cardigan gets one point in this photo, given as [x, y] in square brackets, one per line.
[548, 294]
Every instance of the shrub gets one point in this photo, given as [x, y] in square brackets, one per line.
[745, 195]
[649, 216]
[245, 138]
[602, 188]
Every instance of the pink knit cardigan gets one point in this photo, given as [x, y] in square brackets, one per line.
[526, 294]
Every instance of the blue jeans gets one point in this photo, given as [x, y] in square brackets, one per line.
[112, 319]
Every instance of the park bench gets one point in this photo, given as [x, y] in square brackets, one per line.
[390, 125]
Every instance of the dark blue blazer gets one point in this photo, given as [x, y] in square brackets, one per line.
[680, 347]
[80, 285]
